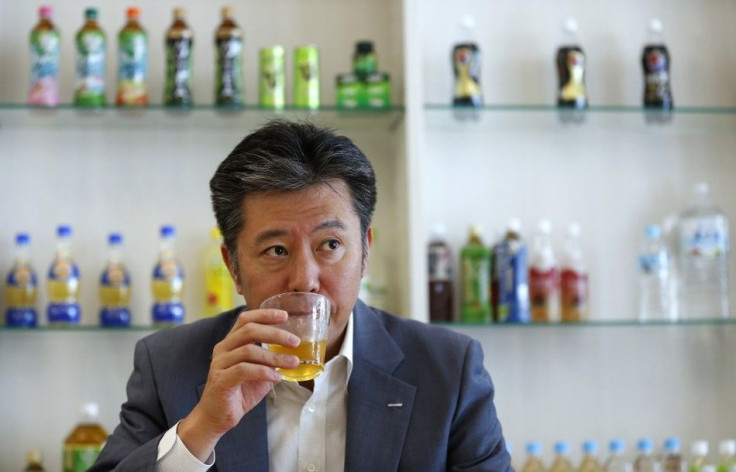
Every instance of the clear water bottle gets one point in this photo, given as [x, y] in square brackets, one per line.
[655, 293]
[703, 258]
[590, 461]
[616, 461]
[645, 461]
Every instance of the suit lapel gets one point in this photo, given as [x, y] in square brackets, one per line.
[379, 404]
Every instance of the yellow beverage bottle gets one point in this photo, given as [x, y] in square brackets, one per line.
[218, 290]
[115, 287]
[34, 463]
[21, 287]
[84, 443]
[132, 62]
[63, 282]
[562, 458]
[590, 462]
[534, 458]
[168, 283]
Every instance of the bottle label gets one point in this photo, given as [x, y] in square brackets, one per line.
[571, 71]
[704, 238]
[513, 287]
[22, 277]
[306, 78]
[168, 313]
[574, 295]
[654, 263]
[466, 64]
[132, 69]
[65, 273]
[475, 284]
[63, 313]
[44, 69]
[170, 272]
[543, 287]
[90, 78]
[229, 78]
[80, 458]
[178, 71]
[440, 265]
[115, 277]
[656, 76]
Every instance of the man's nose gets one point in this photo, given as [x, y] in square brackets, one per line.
[304, 272]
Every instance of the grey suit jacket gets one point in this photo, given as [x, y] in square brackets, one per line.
[447, 421]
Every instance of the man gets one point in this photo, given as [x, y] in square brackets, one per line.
[294, 204]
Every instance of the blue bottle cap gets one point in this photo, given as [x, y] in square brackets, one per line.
[562, 447]
[590, 447]
[534, 448]
[115, 239]
[645, 445]
[653, 231]
[22, 239]
[672, 445]
[64, 231]
[617, 445]
[168, 231]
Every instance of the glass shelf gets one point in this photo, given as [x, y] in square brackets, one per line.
[78, 329]
[16, 115]
[683, 323]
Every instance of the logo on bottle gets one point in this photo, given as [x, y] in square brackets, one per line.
[91, 64]
[228, 61]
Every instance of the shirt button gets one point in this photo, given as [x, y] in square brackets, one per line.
[311, 468]
[311, 409]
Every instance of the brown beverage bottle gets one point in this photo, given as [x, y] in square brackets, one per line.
[179, 44]
[229, 61]
[655, 61]
[440, 277]
[85, 442]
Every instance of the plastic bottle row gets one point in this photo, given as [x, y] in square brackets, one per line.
[644, 459]
[63, 284]
[365, 87]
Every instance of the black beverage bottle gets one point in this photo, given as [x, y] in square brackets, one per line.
[655, 61]
[440, 277]
[571, 71]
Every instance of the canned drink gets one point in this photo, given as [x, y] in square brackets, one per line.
[306, 77]
[272, 87]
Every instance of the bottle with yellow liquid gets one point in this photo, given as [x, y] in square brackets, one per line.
[168, 283]
[534, 458]
[590, 462]
[85, 442]
[34, 462]
[218, 293]
[115, 287]
[21, 287]
[63, 282]
[562, 458]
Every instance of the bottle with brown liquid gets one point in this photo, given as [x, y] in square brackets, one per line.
[440, 277]
[179, 43]
[34, 462]
[228, 61]
[132, 61]
[85, 442]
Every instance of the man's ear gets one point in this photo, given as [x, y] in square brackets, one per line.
[368, 245]
[226, 257]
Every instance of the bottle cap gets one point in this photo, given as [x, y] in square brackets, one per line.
[22, 239]
[590, 447]
[645, 445]
[91, 411]
[439, 232]
[34, 457]
[133, 13]
[617, 446]
[215, 233]
[64, 231]
[364, 47]
[115, 239]
[544, 226]
[179, 12]
[514, 225]
[701, 188]
[653, 231]
[475, 230]
[571, 26]
[562, 447]
[467, 21]
[574, 230]
[655, 25]
[727, 447]
[699, 448]
[168, 231]
[90, 13]
[672, 444]
[534, 448]
[45, 11]
[227, 12]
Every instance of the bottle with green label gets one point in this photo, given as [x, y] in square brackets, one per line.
[179, 44]
[89, 85]
[475, 260]
[228, 61]
[85, 442]
[132, 62]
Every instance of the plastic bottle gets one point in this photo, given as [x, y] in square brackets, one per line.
[727, 450]
[645, 461]
[365, 61]
[698, 455]
[655, 61]
[562, 458]
[544, 280]
[44, 45]
[115, 287]
[89, 86]
[466, 68]
[475, 259]
[168, 283]
[616, 461]
[84, 443]
[573, 279]
[440, 276]
[63, 282]
[571, 70]
[218, 293]
[34, 462]
[655, 284]
[21, 287]
[590, 461]
[703, 258]
[179, 48]
[672, 460]
[132, 62]
[229, 61]
[534, 458]
[510, 258]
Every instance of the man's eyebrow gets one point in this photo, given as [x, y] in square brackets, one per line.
[269, 234]
[334, 223]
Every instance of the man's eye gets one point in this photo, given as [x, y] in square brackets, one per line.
[331, 245]
[276, 251]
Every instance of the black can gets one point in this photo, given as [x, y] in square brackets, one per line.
[655, 62]
[571, 73]
[466, 66]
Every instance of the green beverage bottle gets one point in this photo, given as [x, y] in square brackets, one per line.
[44, 43]
[229, 61]
[132, 62]
[179, 44]
[272, 88]
[475, 267]
[306, 77]
[89, 86]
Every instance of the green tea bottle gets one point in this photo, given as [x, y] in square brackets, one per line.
[475, 260]
[89, 85]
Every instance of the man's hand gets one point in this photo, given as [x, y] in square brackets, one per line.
[241, 374]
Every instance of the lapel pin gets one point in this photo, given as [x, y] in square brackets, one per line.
[395, 405]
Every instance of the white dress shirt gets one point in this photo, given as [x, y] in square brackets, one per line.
[306, 430]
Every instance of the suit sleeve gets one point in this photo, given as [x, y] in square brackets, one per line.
[476, 437]
[133, 446]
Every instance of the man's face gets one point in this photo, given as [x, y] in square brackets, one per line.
[303, 241]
